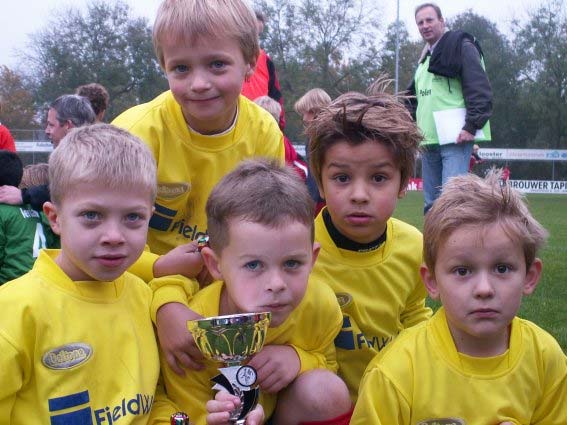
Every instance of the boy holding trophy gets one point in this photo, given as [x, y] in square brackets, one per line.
[260, 223]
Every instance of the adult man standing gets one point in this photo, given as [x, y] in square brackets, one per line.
[65, 112]
[453, 100]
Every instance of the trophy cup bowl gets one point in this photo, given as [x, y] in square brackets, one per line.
[231, 340]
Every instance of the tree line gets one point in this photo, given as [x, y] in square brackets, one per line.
[337, 45]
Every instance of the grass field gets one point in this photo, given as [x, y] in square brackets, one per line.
[548, 305]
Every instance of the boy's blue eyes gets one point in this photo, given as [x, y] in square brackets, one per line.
[133, 217]
[90, 215]
[93, 215]
[292, 264]
[252, 265]
[289, 264]
[216, 65]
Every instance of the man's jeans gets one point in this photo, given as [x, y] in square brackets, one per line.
[438, 164]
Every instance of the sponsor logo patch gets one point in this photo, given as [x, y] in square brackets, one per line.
[67, 356]
[344, 299]
[172, 190]
[443, 421]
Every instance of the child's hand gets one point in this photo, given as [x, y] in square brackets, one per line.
[184, 260]
[175, 340]
[10, 195]
[277, 367]
[218, 410]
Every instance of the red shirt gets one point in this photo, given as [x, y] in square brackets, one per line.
[6, 139]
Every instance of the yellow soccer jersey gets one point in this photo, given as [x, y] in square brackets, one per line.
[190, 164]
[75, 352]
[380, 293]
[310, 329]
[422, 379]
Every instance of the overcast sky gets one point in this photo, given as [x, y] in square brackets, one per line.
[19, 19]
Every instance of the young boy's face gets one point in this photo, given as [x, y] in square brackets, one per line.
[103, 230]
[480, 277]
[361, 185]
[264, 268]
[206, 78]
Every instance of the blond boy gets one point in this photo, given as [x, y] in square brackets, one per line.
[362, 153]
[261, 252]
[309, 105]
[198, 131]
[76, 341]
[474, 362]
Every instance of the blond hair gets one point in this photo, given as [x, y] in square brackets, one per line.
[35, 175]
[103, 154]
[476, 201]
[312, 101]
[270, 105]
[261, 191]
[356, 118]
[185, 21]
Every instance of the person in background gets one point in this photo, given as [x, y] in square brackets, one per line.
[264, 81]
[98, 96]
[450, 79]
[35, 175]
[23, 230]
[475, 158]
[480, 250]
[307, 107]
[6, 139]
[66, 112]
[292, 158]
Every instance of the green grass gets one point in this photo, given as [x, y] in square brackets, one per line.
[547, 306]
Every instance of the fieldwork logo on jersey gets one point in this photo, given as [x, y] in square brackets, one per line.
[172, 190]
[67, 356]
[443, 421]
[349, 339]
[75, 409]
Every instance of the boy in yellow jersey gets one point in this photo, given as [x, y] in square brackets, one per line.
[77, 343]
[260, 221]
[474, 362]
[362, 152]
[198, 131]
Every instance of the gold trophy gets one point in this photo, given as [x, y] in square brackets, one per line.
[232, 340]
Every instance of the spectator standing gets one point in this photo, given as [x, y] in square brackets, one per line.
[450, 87]
[264, 81]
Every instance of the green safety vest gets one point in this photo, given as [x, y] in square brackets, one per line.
[438, 93]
